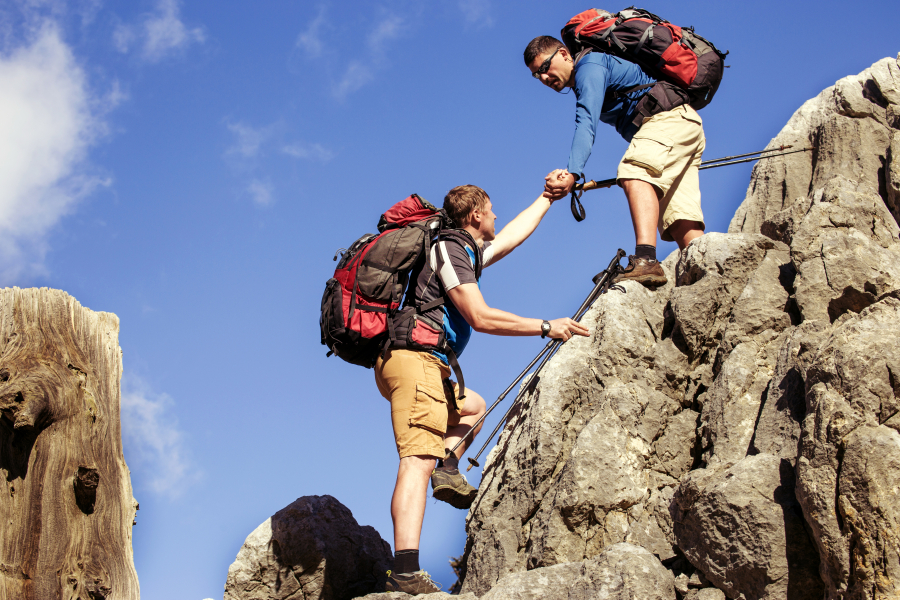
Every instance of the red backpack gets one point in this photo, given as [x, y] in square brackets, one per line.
[370, 279]
[666, 52]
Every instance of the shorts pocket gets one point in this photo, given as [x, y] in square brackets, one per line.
[649, 153]
[430, 410]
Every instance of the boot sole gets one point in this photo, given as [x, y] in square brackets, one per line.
[454, 498]
[649, 280]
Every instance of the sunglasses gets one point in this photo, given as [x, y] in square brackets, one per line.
[545, 66]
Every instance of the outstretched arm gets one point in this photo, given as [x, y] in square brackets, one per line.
[468, 300]
[590, 89]
[518, 230]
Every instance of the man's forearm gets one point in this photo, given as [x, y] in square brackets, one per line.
[519, 229]
[582, 144]
[499, 322]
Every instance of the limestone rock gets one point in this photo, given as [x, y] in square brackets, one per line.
[68, 508]
[622, 572]
[849, 125]
[743, 528]
[852, 390]
[734, 400]
[402, 596]
[311, 549]
[705, 594]
[712, 275]
[845, 252]
[571, 474]
[778, 426]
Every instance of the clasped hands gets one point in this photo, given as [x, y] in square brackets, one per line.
[557, 184]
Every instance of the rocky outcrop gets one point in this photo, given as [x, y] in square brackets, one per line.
[621, 572]
[740, 424]
[68, 508]
[743, 527]
[311, 549]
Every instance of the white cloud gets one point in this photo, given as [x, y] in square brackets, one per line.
[385, 31]
[161, 34]
[248, 140]
[88, 9]
[369, 55]
[476, 12]
[359, 73]
[260, 192]
[49, 119]
[310, 41]
[165, 32]
[247, 156]
[123, 38]
[310, 151]
[154, 444]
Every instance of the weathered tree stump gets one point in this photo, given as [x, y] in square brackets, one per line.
[66, 504]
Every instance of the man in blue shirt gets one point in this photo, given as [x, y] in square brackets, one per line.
[659, 171]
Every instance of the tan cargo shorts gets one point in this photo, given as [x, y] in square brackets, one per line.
[666, 153]
[418, 387]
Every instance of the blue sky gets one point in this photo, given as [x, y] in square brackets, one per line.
[193, 166]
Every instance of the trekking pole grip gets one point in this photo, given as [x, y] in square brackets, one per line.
[595, 185]
[580, 188]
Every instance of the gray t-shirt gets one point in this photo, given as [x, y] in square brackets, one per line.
[458, 268]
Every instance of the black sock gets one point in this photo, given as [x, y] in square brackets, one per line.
[451, 462]
[645, 251]
[406, 561]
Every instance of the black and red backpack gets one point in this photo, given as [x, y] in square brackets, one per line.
[361, 307]
[687, 66]
[370, 279]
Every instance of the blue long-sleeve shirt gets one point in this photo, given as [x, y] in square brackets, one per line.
[597, 76]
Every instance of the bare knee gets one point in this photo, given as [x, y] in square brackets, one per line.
[415, 466]
[684, 231]
[474, 404]
[637, 188]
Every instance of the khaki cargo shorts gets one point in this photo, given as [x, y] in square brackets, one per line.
[418, 387]
[666, 153]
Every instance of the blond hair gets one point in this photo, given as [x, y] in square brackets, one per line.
[462, 200]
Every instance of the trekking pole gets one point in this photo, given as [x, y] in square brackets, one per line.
[707, 164]
[778, 149]
[579, 188]
[602, 283]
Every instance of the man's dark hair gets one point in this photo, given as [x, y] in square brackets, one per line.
[541, 45]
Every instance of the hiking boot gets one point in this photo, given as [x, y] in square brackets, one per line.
[417, 582]
[451, 486]
[645, 271]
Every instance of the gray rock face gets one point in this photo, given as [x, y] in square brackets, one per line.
[744, 528]
[311, 549]
[621, 572]
[541, 502]
[746, 416]
[852, 393]
[402, 596]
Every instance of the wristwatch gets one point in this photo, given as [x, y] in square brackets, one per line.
[545, 329]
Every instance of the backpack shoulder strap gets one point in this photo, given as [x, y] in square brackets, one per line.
[464, 238]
